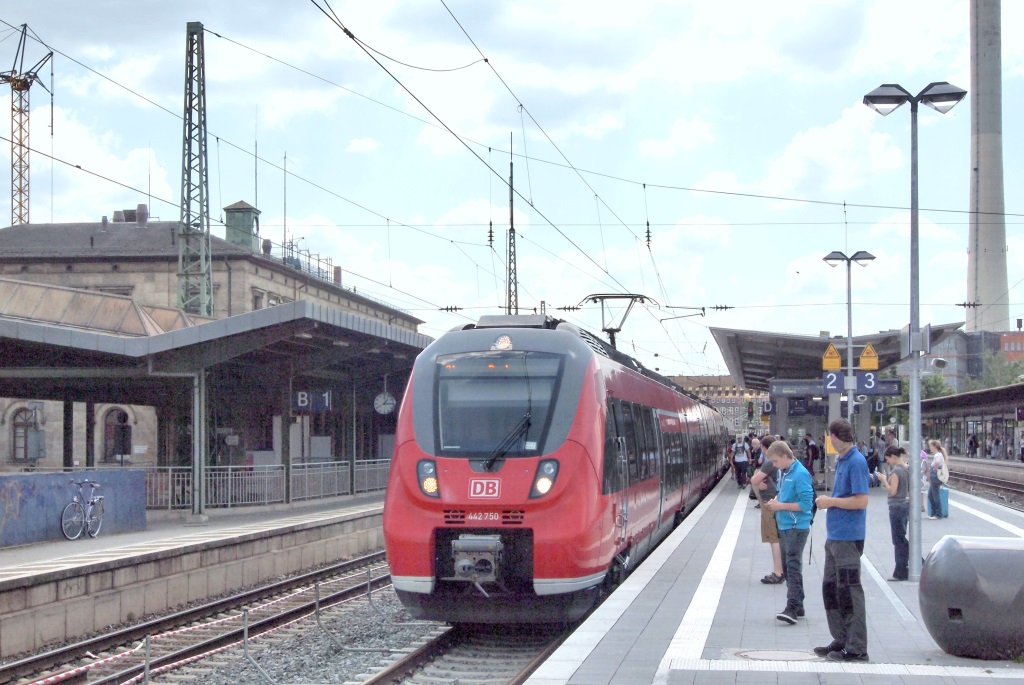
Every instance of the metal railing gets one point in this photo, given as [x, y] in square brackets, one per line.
[372, 474]
[313, 481]
[170, 487]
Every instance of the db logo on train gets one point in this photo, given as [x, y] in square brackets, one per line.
[481, 487]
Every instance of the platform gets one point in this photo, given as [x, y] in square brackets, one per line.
[55, 592]
[696, 611]
[169, 530]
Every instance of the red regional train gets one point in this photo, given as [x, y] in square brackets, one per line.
[534, 467]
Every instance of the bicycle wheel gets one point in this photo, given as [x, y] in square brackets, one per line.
[95, 519]
[72, 520]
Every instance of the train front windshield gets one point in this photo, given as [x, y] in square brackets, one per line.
[495, 401]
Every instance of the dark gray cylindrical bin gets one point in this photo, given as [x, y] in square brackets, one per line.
[972, 596]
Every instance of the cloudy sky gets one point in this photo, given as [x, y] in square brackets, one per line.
[735, 129]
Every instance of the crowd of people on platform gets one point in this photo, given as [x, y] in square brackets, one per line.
[784, 488]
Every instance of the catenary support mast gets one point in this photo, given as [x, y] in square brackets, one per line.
[195, 267]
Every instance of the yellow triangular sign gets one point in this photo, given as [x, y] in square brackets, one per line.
[869, 359]
[831, 361]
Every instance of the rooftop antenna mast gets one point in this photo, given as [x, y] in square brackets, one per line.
[20, 81]
[512, 300]
[195, 266]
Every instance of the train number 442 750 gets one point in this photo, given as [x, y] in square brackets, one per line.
[483, 516]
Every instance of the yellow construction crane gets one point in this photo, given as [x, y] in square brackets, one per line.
[21, 80]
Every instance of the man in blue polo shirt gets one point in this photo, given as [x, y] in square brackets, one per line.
[844, 543]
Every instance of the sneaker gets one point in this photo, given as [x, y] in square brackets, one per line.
[843, 655]
[835, 646]
[932, 518]
[788, 615]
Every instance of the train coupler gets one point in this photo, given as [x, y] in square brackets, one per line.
[477, 559]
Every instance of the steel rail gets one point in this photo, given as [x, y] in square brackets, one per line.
[63, 655]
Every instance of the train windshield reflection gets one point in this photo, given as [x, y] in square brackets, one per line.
[482, 396]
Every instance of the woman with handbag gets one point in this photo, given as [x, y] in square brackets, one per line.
[937, 469]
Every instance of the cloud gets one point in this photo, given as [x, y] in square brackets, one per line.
[362, 145]
[828, 161]
[684, 135]
[107, 164]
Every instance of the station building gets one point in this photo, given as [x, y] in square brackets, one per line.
[741, 407]
[71, 293]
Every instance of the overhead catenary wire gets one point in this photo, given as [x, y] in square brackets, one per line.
[584, 171]
[539, 160]
[334, 19]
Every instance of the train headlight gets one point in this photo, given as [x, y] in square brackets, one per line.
[547, 472]
[426, 475]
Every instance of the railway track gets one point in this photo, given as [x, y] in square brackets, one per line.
[1003, 479]
[177, 639]
[475, 655]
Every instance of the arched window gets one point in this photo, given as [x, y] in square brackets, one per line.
[21, 423]
[117, 436]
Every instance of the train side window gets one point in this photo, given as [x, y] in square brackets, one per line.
[612, 430]
[651, 442]
[629, 432]
[639, 414]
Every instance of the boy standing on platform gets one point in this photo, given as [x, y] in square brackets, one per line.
[845, 524]
[792, 509]
[762, 483]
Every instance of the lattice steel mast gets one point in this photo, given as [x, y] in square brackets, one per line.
[512, 299]
[21, 81]
[195, 266]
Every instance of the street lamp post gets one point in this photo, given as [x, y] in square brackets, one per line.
[941, 97]
[834, 259]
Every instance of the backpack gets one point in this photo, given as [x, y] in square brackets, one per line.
[943, 472]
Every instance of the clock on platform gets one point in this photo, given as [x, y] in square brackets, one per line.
[384, 403]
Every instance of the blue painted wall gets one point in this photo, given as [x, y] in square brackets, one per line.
[31, 503]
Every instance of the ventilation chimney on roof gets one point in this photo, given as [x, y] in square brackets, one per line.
[129, 215]
[242, 226]
[142, 215]
[267, 246]
[118, 216]
[104, 222]
[337, 275]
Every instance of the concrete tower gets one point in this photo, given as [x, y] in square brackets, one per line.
[986, 261]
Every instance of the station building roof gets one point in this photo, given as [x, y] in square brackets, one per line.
[101, 241]
[1001, 400]
[756, 357]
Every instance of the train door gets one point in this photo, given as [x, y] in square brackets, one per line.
[617, 468]
[654, 452]
[685, 465]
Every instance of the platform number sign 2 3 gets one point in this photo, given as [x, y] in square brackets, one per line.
[832, 382]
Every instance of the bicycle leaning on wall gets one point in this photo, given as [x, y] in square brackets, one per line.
[83, 514]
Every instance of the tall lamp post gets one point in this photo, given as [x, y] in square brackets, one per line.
[941, 97]
[834, 259]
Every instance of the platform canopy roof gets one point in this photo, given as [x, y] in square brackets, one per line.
[101, 363]
[755, 357]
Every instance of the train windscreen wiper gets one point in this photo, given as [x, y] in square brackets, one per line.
[503, 448]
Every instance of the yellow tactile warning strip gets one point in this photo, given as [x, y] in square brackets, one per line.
[199, 537]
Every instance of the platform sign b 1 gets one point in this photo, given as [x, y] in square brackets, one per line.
[311, 400]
